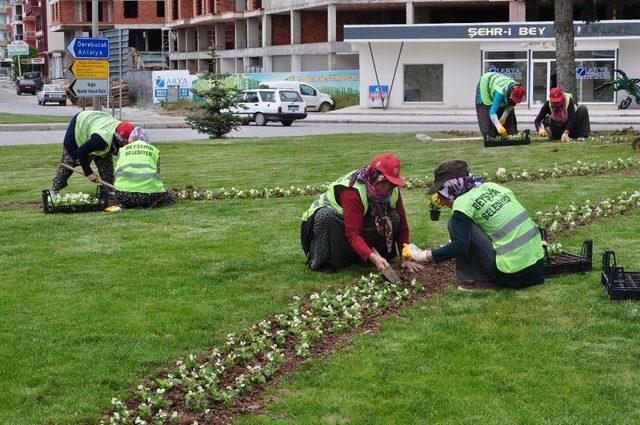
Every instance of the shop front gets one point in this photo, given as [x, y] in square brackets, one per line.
[432, 65]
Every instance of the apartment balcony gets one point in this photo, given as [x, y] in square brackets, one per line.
[29, 36]
[32, 10]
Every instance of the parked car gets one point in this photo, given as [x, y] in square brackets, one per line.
[262, 106]
[36, 77]
[52, 93]
[25, 86]
[314, 98]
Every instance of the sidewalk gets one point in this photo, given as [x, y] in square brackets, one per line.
[355, 114]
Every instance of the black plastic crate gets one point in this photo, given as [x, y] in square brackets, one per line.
[566, 262]
[524, 139]
[101, 193]
[617, 282]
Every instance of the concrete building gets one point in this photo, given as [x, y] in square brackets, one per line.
[438, 66]
[72, 18]
[297, 35]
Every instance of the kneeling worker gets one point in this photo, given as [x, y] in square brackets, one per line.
[91, 135]
[561, 118]
[138, 182]
[493, 240]
[496, 95]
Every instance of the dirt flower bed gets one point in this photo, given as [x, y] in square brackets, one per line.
[227, 381]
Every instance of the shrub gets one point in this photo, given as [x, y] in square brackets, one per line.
[346, 99]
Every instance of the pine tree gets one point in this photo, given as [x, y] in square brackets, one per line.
[213, 116]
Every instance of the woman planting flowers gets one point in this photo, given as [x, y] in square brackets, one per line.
[138, 182]
[360, 216]
[493, 240]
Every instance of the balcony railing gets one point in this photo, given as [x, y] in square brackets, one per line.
[32, 9]
[29, 35]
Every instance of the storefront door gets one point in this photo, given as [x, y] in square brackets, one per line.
[542, 80]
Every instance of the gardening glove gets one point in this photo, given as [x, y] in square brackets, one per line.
[501, 130]
[410, 252]
[542, 132]
[565, 137]
[93, 178]
[503, 120]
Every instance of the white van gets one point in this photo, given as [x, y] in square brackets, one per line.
[264, 105]
[315, 99]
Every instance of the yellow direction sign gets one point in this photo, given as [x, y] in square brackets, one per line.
[90, 68]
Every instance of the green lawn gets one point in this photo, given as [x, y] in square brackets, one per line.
[6, 118]
[92, 302]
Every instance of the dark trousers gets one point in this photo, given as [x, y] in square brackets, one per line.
[487, 129]
[104, 164]
[479, 264]
[581, 127]
[145, 200]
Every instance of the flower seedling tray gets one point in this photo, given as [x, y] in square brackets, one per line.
[619, 283]
[523, 138]
[568, 263]
[101, 193]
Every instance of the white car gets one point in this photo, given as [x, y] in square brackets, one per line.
[315, 99]
[53, 93]
[264, 105]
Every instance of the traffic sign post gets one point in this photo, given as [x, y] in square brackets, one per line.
[18, 49]
[91, 69]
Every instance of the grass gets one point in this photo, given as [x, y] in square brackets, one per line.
[92, 302]
[6, 118]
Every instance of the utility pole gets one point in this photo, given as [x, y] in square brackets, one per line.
[94, 34]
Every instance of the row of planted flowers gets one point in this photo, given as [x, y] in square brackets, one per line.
[560, 220]
[201, 384]
[501, 175]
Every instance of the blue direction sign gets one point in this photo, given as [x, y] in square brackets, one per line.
[89, 48]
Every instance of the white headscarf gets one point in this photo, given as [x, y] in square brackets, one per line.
[139, 133]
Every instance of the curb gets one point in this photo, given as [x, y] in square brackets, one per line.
[63, 126]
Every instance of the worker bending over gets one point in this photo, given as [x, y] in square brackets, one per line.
[561, 118]
[493, 240]
[359, 217]
[138, 182]
[496, 95]
[91, 135]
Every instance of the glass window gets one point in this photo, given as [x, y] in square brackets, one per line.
[290, 96]
[423, 83]
[267, 96]
[505, 55]
[307, 90]
[514, 69]
[252, 97]
[589, 75]
[580, 54]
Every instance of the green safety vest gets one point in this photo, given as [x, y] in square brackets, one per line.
[137, 169]
[493, 81]
[330, 197]
[514, 236]
[568, 97]
[95, 122]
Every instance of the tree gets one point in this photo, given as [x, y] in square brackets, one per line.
[565, 51]
[213, 116]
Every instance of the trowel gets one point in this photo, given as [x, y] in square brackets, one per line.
[389, 273]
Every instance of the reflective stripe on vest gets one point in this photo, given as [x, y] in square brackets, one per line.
[329, 197]
[95, 122]
[137, 169]
[515, 238]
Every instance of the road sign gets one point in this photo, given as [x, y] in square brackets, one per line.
[89, 88]
[32, 61]
[90, 68]
[89, 48]
[17, 49]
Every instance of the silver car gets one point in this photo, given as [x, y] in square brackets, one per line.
[52, 93]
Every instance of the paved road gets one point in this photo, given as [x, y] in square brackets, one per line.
[28, 104]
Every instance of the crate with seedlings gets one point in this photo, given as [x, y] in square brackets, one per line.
[523, 138]
[559, 262]
[75, 202]
[620, 284]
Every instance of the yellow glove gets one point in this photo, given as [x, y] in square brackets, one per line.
[502, 131]
[565, 137]
[503, 121]
[410, 252]
[542, 132]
